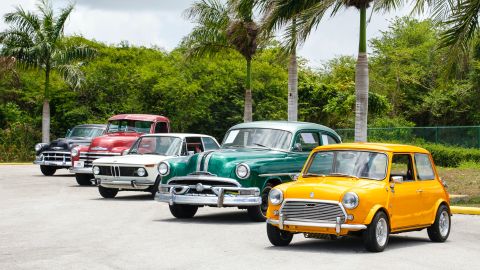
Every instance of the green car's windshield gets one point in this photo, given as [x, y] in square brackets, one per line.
[359, 164]
[87, 132]
[129, 126]
[156, 145]
[258, 137]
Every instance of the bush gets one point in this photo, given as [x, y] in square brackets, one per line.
[450, 156]
[17, 142]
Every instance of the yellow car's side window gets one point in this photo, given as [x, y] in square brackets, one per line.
[424, 167]
[402, 166]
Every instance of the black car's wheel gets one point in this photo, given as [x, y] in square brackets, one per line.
[278, 237]
[440, 229]
[183, 210]
[83, 179]
[48, 170]
[259, 212]
[107, 192]
[376, 235]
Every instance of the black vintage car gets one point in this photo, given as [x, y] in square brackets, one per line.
[56, 154]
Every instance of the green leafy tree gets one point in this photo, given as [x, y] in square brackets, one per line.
[36, 41]
[221, 27]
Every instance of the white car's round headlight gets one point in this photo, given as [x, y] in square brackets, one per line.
[350, 200]
[275, 196]
[96, 170]
[242, 171]
[38, 147]
[74, 152]
[163, 168]
[141, 172]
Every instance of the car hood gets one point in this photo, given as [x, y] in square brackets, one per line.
[66, 144]
[131, 159]
[114, 142]
[328, 188]
[220, 162]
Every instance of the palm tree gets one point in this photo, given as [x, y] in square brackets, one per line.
[36, 40]
[221, 27]
[308, 14]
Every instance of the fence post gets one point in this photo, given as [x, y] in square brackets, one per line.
[478, 136]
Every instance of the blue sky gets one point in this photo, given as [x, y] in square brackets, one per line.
[160, 23]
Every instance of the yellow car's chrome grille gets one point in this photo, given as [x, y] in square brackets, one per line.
[312, 211]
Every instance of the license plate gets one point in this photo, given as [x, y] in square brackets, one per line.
[79, 164]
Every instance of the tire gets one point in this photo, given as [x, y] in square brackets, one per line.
[107, 193]
[258, 213]
[48, 170]
[375, 237]
[278, 237]
[440, 229]
[183, 210]
[83, 179]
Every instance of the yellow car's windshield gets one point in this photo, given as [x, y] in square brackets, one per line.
[358, 164]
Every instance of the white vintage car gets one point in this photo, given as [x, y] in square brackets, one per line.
[137, 169]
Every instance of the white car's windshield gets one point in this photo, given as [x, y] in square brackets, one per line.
[129, 126]
[87, 132]
[258, 137]
[359, 164]
[166, 146]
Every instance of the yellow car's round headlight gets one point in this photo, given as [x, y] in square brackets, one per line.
[350, 200]
[275, 196]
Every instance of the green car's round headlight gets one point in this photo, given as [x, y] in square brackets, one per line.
[275, 196]
[350, 200]
[163, 168]
[242, 171]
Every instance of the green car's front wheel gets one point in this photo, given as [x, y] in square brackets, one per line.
[259, 212]
[183, 210]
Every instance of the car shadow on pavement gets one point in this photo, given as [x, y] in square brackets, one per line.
[54, 176]
[349, 244]
[140, 197]
[228, 218]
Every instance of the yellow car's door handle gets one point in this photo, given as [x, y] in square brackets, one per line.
[419, 190]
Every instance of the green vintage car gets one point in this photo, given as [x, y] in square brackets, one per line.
[254, 158]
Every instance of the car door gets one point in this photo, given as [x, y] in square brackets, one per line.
[429, 187]
[405, 201]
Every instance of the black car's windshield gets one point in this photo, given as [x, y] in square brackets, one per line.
[88, 132]
[129, 126]
[164, 145]
[358, 164]
[258, 138]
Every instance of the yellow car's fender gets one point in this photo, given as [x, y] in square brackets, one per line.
[372, 213]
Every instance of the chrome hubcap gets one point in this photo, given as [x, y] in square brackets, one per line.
[444, 223]
[381, 232]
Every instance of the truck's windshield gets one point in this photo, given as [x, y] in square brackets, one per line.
[87, 132]
[129, 126]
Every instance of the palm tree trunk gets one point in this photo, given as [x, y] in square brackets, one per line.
[361, 82]
[46, 108]
[247, 112]
[293, 87]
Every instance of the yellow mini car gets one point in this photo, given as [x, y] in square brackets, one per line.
[365, 189]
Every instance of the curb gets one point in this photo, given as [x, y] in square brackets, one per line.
[16, 163]
[465, 210]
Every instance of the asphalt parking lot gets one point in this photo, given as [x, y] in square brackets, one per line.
[52, 223]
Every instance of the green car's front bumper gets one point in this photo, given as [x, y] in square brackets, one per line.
[207, 190]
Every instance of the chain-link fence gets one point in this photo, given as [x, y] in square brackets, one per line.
[465, 136]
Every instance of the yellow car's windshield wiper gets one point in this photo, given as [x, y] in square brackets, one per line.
[343, 174]
[313, 175]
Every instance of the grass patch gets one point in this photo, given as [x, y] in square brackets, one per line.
[462, 181]
[470, 202]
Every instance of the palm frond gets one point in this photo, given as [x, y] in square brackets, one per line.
[24, 21]
[462, 25]
[72, 74]
[73, 53]
[60, 21]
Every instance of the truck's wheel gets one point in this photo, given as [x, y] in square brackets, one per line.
[440, 229]
[278, 237]
[48, 170]
[259, 212]
[183, 210]
[107, 192]
[376, 235]
[83, 179]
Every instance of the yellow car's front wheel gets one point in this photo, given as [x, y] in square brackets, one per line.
[376, 235]
[278, 237]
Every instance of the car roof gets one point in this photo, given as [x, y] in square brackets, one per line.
[181, 135]
[384, 147]
[292, 126]
[102, 126]
[140, 117]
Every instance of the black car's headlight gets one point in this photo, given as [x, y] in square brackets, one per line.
[39, 146]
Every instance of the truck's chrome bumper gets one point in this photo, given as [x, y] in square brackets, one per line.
[222, 196]
[124, 184]
[53, 163]
[337, 226]
[81, 170]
